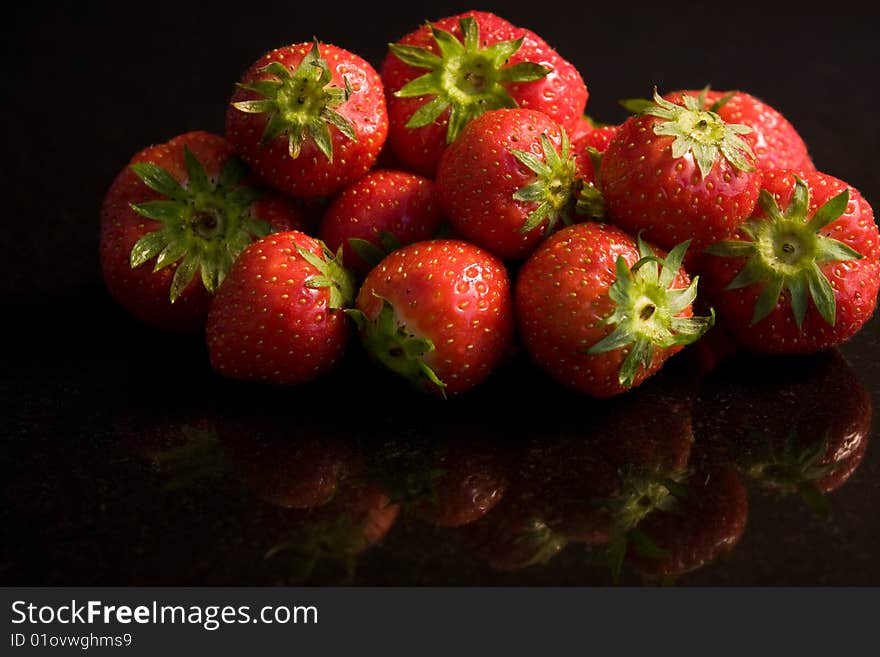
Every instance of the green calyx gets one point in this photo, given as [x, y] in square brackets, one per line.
[558, 192]
[646, 310]
[331, 275]
[464, 77]
[554, 188]
[300, 104]
[205, 223]
[785, 251]
[590, 203]
[393, 345]
[699, 131]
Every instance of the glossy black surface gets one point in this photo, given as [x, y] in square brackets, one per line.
[125, 460]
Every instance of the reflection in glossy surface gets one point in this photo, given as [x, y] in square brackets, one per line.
[647, 485]
[362, 481]
[802, 428]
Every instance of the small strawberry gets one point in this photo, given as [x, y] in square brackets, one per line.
[597, 138]
[173, 222]
[777, 145]
[582, 127]
[601, 313]
[309, 119]
[508, 181]
[278, 316]
[445, 74]
[803, 273]
[678, 172]
[438, 313]
[379, 213]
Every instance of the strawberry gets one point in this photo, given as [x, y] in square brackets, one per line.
[438, 313]
[379, 213]
[445, 74]
[172, 223]
[309, 118]
[803, 273]
[588, 150]
[677, 172]
[582, 127]
[508, 180]
[600, 312]
[777, 145]
[278, 316]
[597, 138]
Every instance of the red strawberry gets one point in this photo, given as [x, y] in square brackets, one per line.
[379, 213]
[598, 138]
[442, 76]
[588, 151]
[582, 127]
[437, 313]
[173, 222]
[776, 143]
[508, 180]
[679, 172]
[601, 313]
[277, 318]
[803, 273]
[309, 119]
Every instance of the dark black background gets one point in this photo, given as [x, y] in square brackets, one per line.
[86, 85]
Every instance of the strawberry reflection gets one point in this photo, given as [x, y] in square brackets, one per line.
[445, 473]
[646, 487]
[593, 476]
[801, 428]
[331, 513]
[707, 521]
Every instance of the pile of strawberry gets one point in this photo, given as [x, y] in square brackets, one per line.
[463, 195]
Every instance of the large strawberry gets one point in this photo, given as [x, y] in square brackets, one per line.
[438, 313]
[173, 222]
[776, 144]
[600, 312]
[309, 119]
[803, 273]
[679, 172]
[445, 74]
[278, 316]
[509, 180]
[379, 213]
